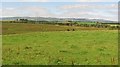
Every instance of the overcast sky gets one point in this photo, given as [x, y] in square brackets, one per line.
[100, 9]
[59, 0]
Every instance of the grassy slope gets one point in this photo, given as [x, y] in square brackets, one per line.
[73, 47]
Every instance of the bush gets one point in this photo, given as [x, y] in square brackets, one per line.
[68, 30]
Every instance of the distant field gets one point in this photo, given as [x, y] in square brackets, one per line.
[16, 28]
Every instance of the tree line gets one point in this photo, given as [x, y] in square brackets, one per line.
[110, 26]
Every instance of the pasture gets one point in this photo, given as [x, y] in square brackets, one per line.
[25, 44]
[18, 28]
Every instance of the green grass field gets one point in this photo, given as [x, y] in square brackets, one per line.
[79, 47]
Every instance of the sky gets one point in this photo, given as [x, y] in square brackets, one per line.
[93, 9]
[59, 0]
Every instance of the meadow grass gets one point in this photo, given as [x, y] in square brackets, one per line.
[82, 47]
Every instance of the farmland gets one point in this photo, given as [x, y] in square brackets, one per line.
[44, 44]
[18, 28]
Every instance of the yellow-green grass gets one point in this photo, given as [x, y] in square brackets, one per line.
[82, 47]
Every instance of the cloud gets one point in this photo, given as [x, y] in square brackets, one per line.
[26, 11]
[99, 11]
[60, 0]
[90, 6]
[0, 12]
[106, 11]
[9, 12]
[37, 11]
[33, 0]
[88, 14]
[96, 0]
[25, 0]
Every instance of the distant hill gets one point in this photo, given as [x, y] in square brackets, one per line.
[58, 19]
